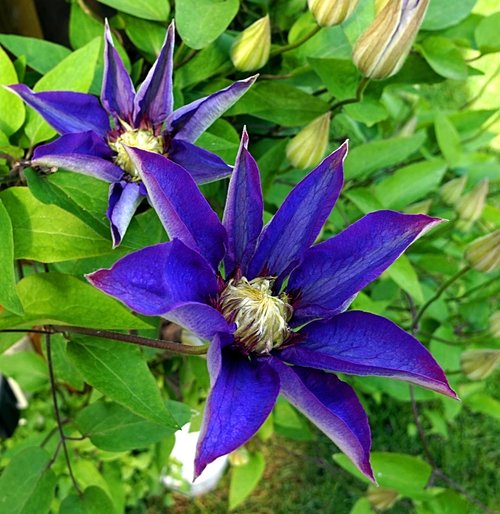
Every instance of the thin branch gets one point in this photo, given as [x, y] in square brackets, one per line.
[57, 413]
[296, 44]
[359, 96]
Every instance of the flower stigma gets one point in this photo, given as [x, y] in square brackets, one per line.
[144, 139]
[261, 318]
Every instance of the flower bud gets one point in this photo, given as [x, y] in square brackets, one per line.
[452, 190]
[331, 12]
[251, 50]
[483, 254]
[239, 457]
[495, 325]
[479, 364]
[382, 498]
[382, 49]
[308, 147]
[471, 206]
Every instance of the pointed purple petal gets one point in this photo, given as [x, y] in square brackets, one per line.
[244, 210]
[152, 280]
[200, 318]
[181, 207]
[298, 221]
[203, 166]
[333, 407]
[154, 100]
[360, 343]
[124, 198]
[333, 272]
[84, 153]
[66, 111]
[117, 93]
[241, 399]
[189, 122]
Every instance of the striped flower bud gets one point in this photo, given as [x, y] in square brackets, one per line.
[471, 205]
[451, 192]
[495, 325]
[483, 254]
[251, 50]
[382, 49]
[308, 147]
[479, 364]
[331, 12]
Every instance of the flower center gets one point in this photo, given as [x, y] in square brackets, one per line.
[138, 138]
[261, 318]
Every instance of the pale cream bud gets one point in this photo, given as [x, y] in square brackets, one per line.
[479, 364]
[382, 498]
[251, 50]
[308, 147]
[331, 12]
[451, 192]
[471, 205]
[382, 49]
[483, 254]
[495, 325]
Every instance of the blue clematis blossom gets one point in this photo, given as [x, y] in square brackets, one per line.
[273, 303]
[93, 132]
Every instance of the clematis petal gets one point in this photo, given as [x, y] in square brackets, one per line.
[203, 166]
[154, 100]
[182, 209]
[298, 221]
[84, 153]
[189, 122]
[66, 111]
[154, 279]
[244, 210]
[124, 198]
[332, 406]
[333, 272]
[200, 318]
[243, 395]
[361, 343]
[117, 93]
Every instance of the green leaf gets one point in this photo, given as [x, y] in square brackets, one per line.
[444, 57]
[448, 139]
[405, 276]
[64, 369]
[483, 403]
[362, 506]
[340, 77]
[449, 502]
[289, 423]
[47, 233]
[93, 501]
[8, 294]
[244, 479]
[157, 10]
[376, 155]
[54, 298]
[406, 474]
[114, 428]
[441, 14]
[363, 199]
[145, 35]
[369, 111]
[280, 103]
[11, 107]
[486, 34]
[27, 483]
[40, 55]
[410, 183]
[26, 368]
[83, 28]
[120, 372]
[74, 73]
[199, 22]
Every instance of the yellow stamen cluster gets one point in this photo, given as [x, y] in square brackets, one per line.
[261, 318]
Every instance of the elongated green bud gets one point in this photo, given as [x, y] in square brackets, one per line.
[331, 12]
[483, 254]
[251, 50]
[451, 192]
[382, 49]
[471, 205]
[479, 364]
[308, 147]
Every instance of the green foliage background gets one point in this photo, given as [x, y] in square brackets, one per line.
[433, 122]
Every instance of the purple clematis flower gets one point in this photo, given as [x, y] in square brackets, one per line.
[271, 302]
[93, 133]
